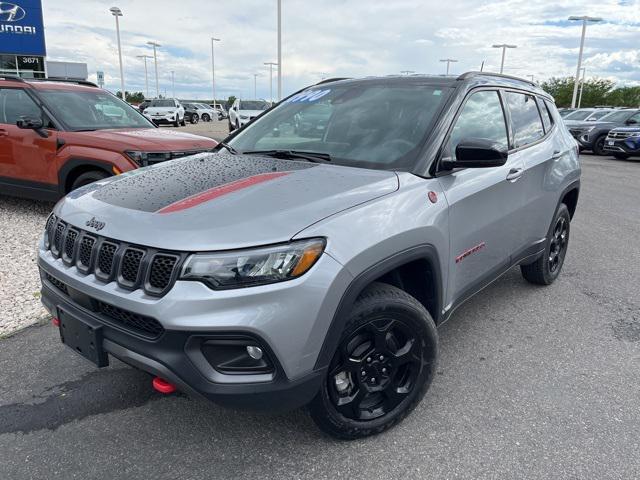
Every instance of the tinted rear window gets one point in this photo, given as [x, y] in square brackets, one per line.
[525, 118]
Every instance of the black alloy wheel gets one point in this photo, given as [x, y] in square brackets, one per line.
[558, 245]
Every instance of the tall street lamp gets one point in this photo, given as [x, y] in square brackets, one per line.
[173, 84]
[213, 70]
[116, 12]
[255, 85]
[584, 74]
[146, 76]
[271, 64]
[584, 19]
[279, 50]
[449, 61]
[504, 47]
[155, 60]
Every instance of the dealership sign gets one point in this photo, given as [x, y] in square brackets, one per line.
[21, 27]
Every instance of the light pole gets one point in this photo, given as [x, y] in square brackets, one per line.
[584, 20]
[531, 77]
[213, 70]
[584, 74]
[173, 84]
[146, 76]
[407, 72]
[504, 47]
[255, 85]
[116, 12]
[279, 50]
[448, 61]
[271, 64]
[155, 60]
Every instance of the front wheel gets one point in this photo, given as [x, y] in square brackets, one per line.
[87, 178]
[546, 269]
[382, 368]
[206, 117]
[194, 118]
[176, 122]
[598, 145]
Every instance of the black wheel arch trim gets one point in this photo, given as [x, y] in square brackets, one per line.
[421, 252]
[73, 163]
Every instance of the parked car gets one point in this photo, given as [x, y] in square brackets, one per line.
[565, 111]
[586, 115]
[243, 111]
[191, 113]
[285, 270]
[165, 111]
[592, 135]
[207, 113]
[222, 113]
[143, 105]
[623, 142]
[57, 136]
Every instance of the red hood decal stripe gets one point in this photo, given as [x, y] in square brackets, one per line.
[219, 191]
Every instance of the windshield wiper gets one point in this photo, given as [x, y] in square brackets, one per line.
[316, 157]
[228, 147]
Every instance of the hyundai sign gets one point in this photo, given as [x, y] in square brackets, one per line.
[21, 27]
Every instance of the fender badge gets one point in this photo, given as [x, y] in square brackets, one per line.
[433, 196]
[93, 223]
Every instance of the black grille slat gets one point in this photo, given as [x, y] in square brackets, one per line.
[56, 283]
[132, 266]
[140, 323]
[161, 272]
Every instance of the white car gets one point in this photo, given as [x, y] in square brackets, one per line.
[243, 111]
[165, 110]
[206, 112]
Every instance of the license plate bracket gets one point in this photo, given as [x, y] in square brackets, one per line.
[610, 142]
[83, 336]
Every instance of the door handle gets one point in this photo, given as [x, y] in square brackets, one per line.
[514, 174]
[556, 155]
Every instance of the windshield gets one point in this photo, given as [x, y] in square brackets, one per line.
[579, 115]
[363, 124]
[253, 105]
[92, 110]
[598, 114]
[619, 116]
[162, 103]
[204, 107]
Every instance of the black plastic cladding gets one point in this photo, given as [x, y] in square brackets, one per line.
[131, 266]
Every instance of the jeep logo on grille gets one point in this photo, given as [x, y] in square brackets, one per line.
[93, 223]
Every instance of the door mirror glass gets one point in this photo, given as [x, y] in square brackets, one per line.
[30, 123]
[631, 121]
[480, 153]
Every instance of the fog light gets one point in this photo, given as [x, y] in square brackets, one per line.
[254, 352]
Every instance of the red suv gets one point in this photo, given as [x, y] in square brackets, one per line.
[58, 135]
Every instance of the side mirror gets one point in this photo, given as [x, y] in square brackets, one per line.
[32, 123]
[631, 121]
[478, 153]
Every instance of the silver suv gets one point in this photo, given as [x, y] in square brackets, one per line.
[312, 266]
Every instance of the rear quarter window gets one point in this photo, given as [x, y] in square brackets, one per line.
[525, 118]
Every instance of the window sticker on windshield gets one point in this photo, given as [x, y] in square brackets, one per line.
[308, 96]
[437, 92]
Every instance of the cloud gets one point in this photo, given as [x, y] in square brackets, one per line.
[338, 38]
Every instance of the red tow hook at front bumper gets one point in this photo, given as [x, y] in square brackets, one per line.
[162, 386]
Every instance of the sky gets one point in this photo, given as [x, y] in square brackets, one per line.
[338, 38]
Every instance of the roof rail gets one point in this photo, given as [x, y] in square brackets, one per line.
[466, 75]
[67, 80]
[329, 80]
[15, 78]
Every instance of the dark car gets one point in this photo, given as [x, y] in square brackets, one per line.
[592, 135]
[143, 105]
[623, 142]
[191, 113]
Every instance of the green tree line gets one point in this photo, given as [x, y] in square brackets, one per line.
[596, 92]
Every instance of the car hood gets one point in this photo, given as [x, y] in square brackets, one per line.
[626, 129]
[597, 124]
[221, 201]
[143, 139]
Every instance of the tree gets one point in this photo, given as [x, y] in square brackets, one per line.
[135, 97]
[595, 91]
[624, 97]
[230, 101]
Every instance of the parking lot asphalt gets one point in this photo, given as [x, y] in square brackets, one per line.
[533, 382]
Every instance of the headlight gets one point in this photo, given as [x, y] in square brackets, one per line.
[255, 266]
[170, 112]
[244, 117]
[143, 158]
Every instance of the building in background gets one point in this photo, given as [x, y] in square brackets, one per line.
[22, 45]
[70, 70]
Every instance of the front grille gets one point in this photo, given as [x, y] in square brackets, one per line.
[140, 323]
[56, 283]
[620, 134]
[110, 259]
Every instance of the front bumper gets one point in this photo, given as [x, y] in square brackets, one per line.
[289, 320]
[169, 118]
[628, 146]
[584, 138]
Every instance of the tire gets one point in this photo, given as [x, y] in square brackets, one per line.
[87, 178]
[598, 145]
[176, 123]
[183, 122]
[390, 346]
[230, 127]
[546, 269]
[195, 118]
[206, 117]
[621, 156]
[237, 127]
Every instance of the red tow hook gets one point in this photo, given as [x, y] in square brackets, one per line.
[162, 386]
[55, 321]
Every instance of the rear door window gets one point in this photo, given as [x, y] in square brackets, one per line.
[546, 116]
[525, 118]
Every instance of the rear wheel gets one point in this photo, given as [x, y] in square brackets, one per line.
[206, 117]
[195, 118]
[183, 122]
[87, 178]
[382, 368]
[598, 145]
[546, 269]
